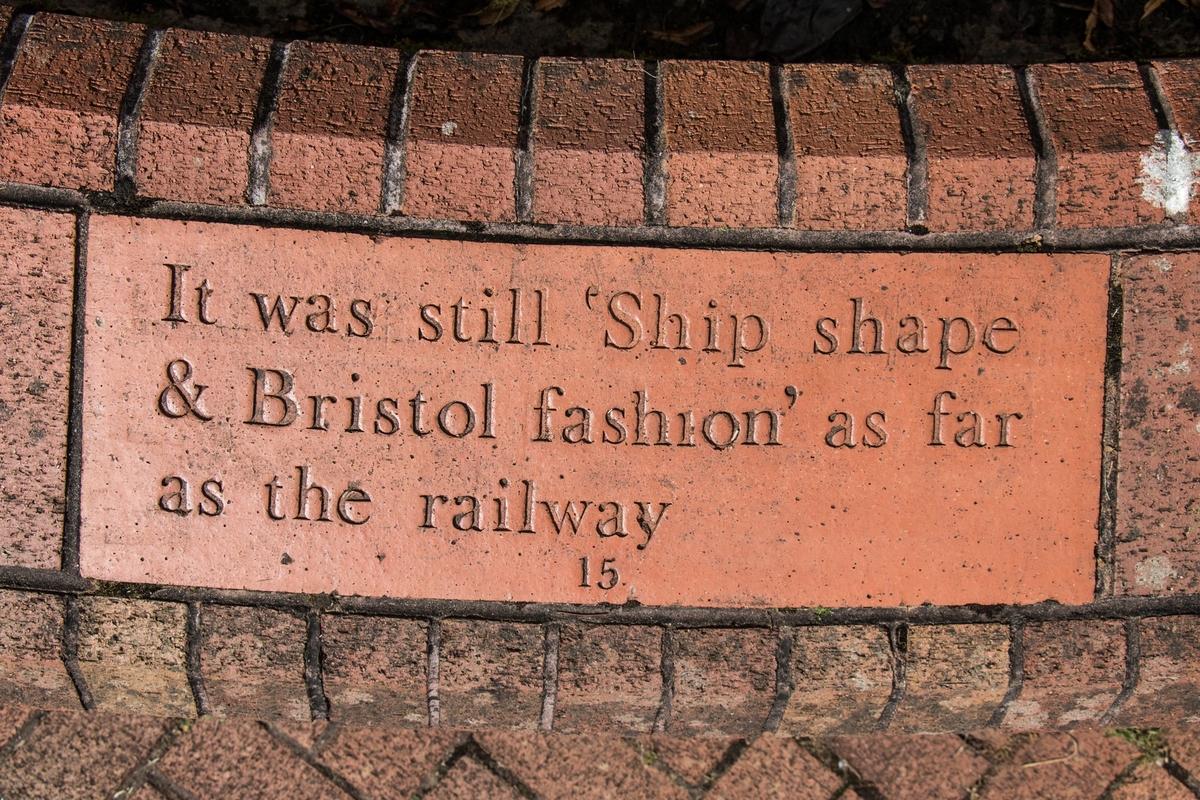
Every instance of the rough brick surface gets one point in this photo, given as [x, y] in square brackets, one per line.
[59, 113]
[1073, 672]
[724, 681]
[1101, 124]
[722, 155]
[194, 129]
[374, 669]
[462, 137]
[133, 654]
[253, 662]
[609, 678]
[1180, 81]
[31, 668]
[841, 678]
[776, 767]
[384, 762]
[35, 315]
[693, 760]
[939, 767]
[1158, 514]
[469, 778]
[850, 158]
[1168, 685]
[1086, 760]
[330, 128]
[956, 677]
[1150, 782]
[490, 675]
[1183, 743]
[589, 139]
[982, 165]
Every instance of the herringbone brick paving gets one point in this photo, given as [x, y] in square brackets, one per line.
[67, 755]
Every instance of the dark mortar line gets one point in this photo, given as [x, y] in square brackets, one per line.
[1120, 780]
[549, 677]
[654, 166]
[324, 738]
[1164, 115]
[662, 718]
[822, 751]
[786, 185]
[72, 510]
[1106, 524]
[313, 678]
[456, 753]
[258, 186]
[784, 685]
[195, 666]
[141, 772]
[21, 736]
[1045, 204]
[1133, 653]
[649, 757]
[167, 787]
[730, 757]
[523, 156]
[433, 646]
[395, 147]
[898, 644]
[10, 46]
[473, 749]
[45, 580]
[304, 755]
[916, 174]
[70, 654]
[1177, 771]
[1016, 672]
[129, 117]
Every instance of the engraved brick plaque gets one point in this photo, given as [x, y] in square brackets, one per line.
[314, 412]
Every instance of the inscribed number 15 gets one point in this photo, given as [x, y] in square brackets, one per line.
[609, 576]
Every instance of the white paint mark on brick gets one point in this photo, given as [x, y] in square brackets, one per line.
[1154, 571]
[448, 128]
[1181, 368]
[1170, 172]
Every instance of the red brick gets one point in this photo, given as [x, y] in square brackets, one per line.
[1086, 760]
[982, 165]
[1073, 672]
[913, 767]
[1150, 782]
[588, 142]
[35, 315]
[1168, 687]
[12, 718]
[841, 678]
[462, 137]
[1183, 745]
[253, 662]
[1158, 514]
[722, 156]
[305, 734]
[469, 778]
[609, 678]
[956, 676]
[59, 113]
[850, 156]
[693, 760]
[775, 767]
[1179, 81]
[374, 669]
[724, 681]
[330, 128]
[31, 667]
[384, 762]
[194, 128]
[490, 675]
[1101, 123]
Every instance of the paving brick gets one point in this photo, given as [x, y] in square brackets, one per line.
[462, 137]
[1179, 80]
[982, 165]
[913, 767]
[1086, 760]
[12, 717]
[724, 681]
[374, 669]
[253, 662]
[841, 678]
[469, 778]
[609, 678]
[956, 677]
[133, 654]
[1168, 687]
[1074, 671]
[385, 762]
[196, 119]
[1101, 123]
[691, 759]
[850, 156]
[330, 127]
[31, 667]
[1158, 513]
[490, 675]
[1150, 782]
[589, 140]
[776, 767]
[1183, 745]
[59, 112]
[76, 755]
[722, 155]
[305, 734]
[35, 315]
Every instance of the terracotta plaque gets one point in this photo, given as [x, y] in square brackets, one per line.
[317, 412]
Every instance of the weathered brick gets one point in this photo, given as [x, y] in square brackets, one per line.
[462, 137]
[1101, 123]
[841, 679]
[1081, 763]
[982, 165]
[374, 669]
[31, 638]
[1168, 687]
[588, 142]
[35, 315]
[133, 654]
[724, 681]
[850, 157]
[490, 675]
[1180, 81]
[912, 767]
[956, 676]
[469, 778]
[1149, 781]
[59, 113]
[774, 766]
[722, 155]
[195, 125]
[1074, 671]
[387, 761]
[253, 662]
[609, 678]
[1158, 513]
[330, 128]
